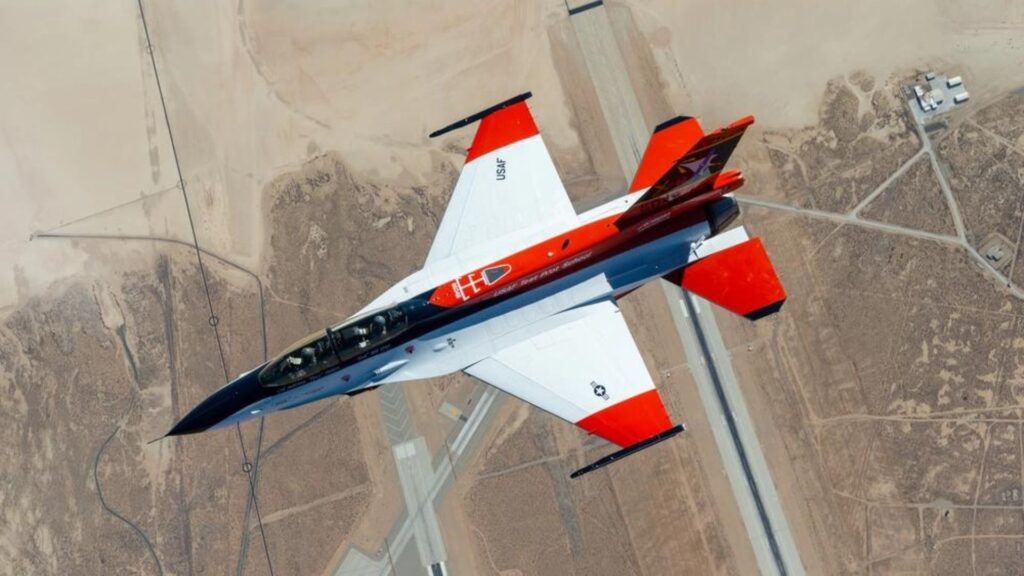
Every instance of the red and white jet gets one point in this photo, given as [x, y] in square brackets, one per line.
[520, 291]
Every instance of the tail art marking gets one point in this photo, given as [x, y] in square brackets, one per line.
[680, 164]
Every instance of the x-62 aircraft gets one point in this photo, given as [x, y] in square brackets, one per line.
[520, 291]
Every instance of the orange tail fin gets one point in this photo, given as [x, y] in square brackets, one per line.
[681, 163]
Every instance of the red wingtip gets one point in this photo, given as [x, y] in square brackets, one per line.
[506, 126]
[630, 421]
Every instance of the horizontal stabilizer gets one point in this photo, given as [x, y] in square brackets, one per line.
[740, 279]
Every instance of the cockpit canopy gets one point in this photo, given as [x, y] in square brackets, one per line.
[306, 359]
[324, 352]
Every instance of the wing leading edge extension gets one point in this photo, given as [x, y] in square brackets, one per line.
[587, 371]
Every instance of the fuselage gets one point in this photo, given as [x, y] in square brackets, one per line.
[474, 312]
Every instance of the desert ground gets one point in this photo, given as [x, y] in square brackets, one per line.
[886, 394]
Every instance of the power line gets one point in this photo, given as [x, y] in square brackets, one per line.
[247, 467]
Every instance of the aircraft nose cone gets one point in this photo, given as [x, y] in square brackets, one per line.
[198, 420]
[220, 405]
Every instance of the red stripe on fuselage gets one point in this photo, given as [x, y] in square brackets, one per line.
[506, 126]
[548, 260]
[526, 265]
[716, 185]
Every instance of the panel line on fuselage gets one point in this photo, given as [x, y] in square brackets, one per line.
[626, 265]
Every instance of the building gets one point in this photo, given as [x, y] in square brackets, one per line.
[939, 94]
[926, 100]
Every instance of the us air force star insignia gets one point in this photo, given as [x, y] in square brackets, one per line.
[599, 390]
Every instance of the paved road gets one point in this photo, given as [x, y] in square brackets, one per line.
[892, 177]
[954, 208]
[395, 409]
[607, 71]
[741, 452]
[412, 461]
[745, 465]
[958, 220]
[423, 484]
[415, 474]
[848, 219]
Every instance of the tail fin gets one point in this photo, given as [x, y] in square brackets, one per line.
[670, 140]
[681, 162]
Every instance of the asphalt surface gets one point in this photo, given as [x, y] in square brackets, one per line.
[424, 483]
[412, 461]
[746, 467]
[733, 430]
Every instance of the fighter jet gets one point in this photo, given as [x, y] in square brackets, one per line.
[520, 291]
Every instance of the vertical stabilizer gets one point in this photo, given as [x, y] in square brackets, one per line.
[680, 163]
[671, 139]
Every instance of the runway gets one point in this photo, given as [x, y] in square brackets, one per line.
[733, 429]
[424, 480]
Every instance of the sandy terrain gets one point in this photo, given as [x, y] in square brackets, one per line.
[773, 59]
[889, 394]
[915, 200]
[182, 506]
[253, 90]
[886, 394]
[259, 153]
[79, 133]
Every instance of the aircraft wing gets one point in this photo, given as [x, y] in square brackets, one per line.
[587, 371]
[508, 193]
